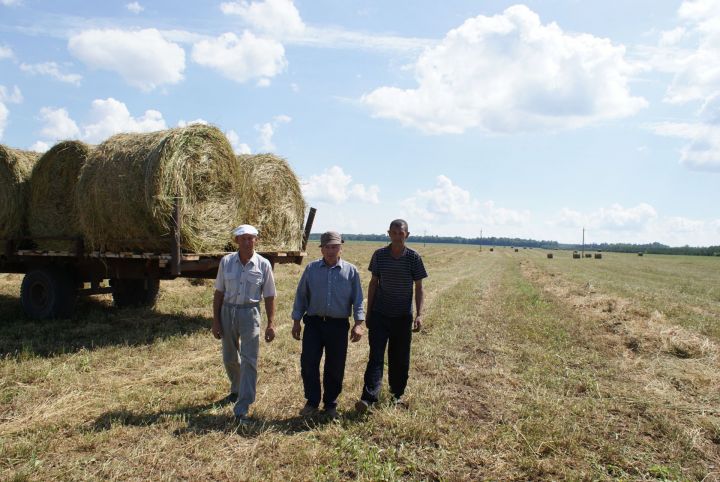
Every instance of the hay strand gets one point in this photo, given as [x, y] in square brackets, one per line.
[126, 190]
[15, 168]
[52, 211]
[272, 201]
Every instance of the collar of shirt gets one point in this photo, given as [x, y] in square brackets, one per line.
[340, 263]
[253, 261]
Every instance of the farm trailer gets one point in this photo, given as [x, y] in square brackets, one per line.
[54, 279]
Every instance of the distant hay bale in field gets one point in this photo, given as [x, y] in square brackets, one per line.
[576, 255]
[271, 200]
[550, 255]
[598, 256]
[51, 209]
[640, 254]
[491, 249]
[126, 190]
[516, 250]
[15, 168]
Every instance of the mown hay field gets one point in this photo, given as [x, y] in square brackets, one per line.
[528, 368]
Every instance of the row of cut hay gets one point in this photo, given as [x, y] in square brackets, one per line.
[52, 211]
[15, 168]
[272, 201]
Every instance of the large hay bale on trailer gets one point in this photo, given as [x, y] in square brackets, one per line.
[15, 168]
[127, 188]
[52, 211]
[271, 200]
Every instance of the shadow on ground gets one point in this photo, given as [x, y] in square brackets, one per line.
[95, 323]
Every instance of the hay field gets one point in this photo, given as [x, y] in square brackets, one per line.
[528, 369]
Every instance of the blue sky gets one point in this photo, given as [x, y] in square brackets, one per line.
[526, 119]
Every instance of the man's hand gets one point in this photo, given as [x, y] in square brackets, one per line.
[270, 333]
[217, 329]
[296, 329]
[356, 333]
[417, 324]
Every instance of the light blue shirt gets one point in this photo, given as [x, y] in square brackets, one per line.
[329, 291]
[245, 284]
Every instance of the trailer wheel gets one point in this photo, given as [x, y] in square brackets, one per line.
[134, 292]
[48, 293]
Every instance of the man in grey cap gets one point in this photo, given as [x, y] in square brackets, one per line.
[328, 291]
[243, 279]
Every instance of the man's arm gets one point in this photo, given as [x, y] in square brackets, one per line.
[358, 313]
[300, 303]
[374, 281]
[270, 311]
[419, 298]
[218, 297]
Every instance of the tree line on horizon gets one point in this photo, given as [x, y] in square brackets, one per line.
[649, 248]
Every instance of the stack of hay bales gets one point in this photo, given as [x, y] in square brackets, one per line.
[15, 168]
[52, 211]
[127, 189]
[271, 200]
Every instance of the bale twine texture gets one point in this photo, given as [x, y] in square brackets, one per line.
[271, 200]
[126, 190]
[52, 211]
[15, 168]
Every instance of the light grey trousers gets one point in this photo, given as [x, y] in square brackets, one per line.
[240, 346]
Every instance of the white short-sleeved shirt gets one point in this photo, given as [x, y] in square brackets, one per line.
[245, 284]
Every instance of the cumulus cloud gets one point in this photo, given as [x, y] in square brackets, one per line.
[134, 7]
[40, 146]
[613, 218]
[51, 69]
[238, 147]
[109, 116]
[142, 57]
[241, 58]
[4, 114]
[335, 187]
[267, 131]
[58, 125]
[449, 203]
[10, 3]
[14, 97]
[702, 152]
[183, 123]
[511, 73]
[275, 17]
[6, 52]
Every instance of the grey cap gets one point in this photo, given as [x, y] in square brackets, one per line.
[330, 237]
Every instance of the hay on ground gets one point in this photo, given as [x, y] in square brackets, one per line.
[52, 211]
[15, 168]
[126, 190]
[272, 201]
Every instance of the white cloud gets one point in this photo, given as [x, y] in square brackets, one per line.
[109, 116]
[613, 218]
[267, 131]
[4, 114]
[40, 146]
[511, 73]
[6, 52]
[14, 97]
[182, 123]
[9, 3]
[142, 57]
[134, 7]
[275, 17]
[241, 58]
[335, 187]
[702, 153]
[238, 147]
[448, 203]
[51, 69]
[58, 124]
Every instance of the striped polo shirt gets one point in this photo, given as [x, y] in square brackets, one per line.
[394, 293]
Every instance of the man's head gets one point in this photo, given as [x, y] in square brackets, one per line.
[331, 247]
[398, 231]
[245, 236]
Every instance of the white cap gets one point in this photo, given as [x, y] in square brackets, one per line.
[245, 229]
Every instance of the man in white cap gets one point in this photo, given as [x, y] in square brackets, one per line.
[243, 279]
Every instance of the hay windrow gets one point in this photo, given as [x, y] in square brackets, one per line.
[127, 186]
[272, 201]
[15, 168]
[52, 211]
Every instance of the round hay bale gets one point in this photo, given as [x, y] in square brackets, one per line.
[550, 255]
[272, 201]
[598, 256]
[51, 210]
[127, 188]
[15, 168]
[576, 255]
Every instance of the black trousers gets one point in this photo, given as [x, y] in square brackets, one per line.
[330, 336]
[395, 333]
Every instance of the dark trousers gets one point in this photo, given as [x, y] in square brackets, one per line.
[396, 334]
[330, 336]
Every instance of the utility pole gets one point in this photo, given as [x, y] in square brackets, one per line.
[424, 237]
[583, 245]
[480, 239]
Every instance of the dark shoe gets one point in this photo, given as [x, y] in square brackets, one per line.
[308, 411]
[231, 398]
[242, 419]
[400, 403]
[361, 406]
[331, 413]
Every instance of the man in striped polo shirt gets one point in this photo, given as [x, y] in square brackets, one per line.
[396, 270]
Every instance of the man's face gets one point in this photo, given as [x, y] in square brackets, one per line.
[246, 243]
[331, 253]
[397, 235]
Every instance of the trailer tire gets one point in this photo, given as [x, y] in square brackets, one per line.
[48, 293]
[134, 292]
